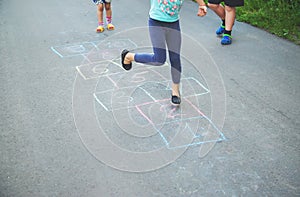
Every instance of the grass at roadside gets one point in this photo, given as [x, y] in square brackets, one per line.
[279, 17]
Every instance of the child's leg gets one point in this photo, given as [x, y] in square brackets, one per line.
[230, 12]
[158, 57]
[218, 9]
[229, 17]
[108, 13]
[229, 22]
[173, 40]
[100, 27]
[100, 14]
[110, 26]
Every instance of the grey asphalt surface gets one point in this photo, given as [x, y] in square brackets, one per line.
[41, 152]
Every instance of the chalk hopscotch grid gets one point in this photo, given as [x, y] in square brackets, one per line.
[104, 72]
[72, 50]
[200, 115]
[84, 48]
[154, 100]
[96, 94]
[118, 69]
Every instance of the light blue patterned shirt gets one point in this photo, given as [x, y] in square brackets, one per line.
[165, 10]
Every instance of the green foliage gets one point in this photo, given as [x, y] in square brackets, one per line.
[280, 17]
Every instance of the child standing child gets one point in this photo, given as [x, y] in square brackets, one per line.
[164, 29]
[101, 5]
[227, 15]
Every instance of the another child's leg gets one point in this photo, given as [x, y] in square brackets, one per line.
[220, 11]
[100, 8]
[108, 10]
[229, 22]
[229, 17]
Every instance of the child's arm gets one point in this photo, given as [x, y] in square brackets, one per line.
[202, 8]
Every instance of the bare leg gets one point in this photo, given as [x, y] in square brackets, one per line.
[175, 89]
[100, 13]
[108, 10]
[129, 58]
[229, 17]
[218, 9]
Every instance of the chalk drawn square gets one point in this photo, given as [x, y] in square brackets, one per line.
[116, 44]
[99, 69]
[148, 104]
[113, 100]
[71, 50]
[135, 89]
[187, 124]
[103, 54]
[193, 87]
[122, 79]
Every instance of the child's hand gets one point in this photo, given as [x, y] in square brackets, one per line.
[202, 10]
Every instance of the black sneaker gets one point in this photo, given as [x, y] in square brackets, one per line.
[125, 66]
[175, 100]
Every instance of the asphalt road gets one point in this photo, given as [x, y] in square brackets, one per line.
[43, 151]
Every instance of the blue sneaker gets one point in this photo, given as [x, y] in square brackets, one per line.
[226, 40]
[220, 30]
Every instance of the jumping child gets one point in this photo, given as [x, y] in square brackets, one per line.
[164, 29]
